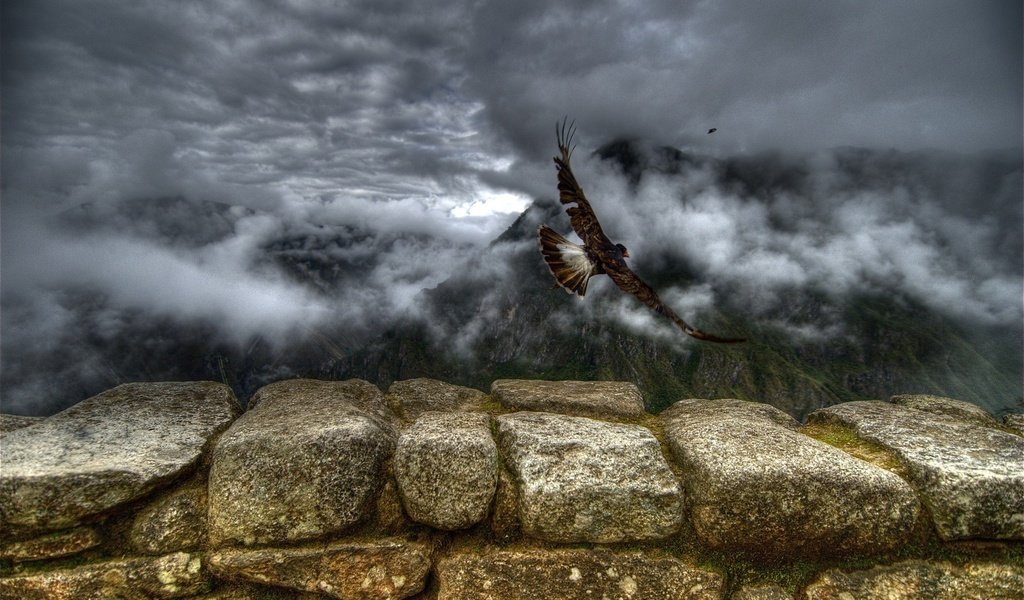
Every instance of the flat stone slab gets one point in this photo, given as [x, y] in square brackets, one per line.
[757, 486]
[919, 579]
[412, 397]
[386, 568]
[950, 407]
[446, 467]
[304, 461]
[107, 450]
[970, 477]
[178, 575]
[581, 398]
[51, 545]
[581, 480]
[595, 573]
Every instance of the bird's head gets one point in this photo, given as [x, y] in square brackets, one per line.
[622, 249]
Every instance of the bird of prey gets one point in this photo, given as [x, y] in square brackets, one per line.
[712, 130]
[573, 265]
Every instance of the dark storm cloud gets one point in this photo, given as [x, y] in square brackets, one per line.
[305, 97]
[796, 75]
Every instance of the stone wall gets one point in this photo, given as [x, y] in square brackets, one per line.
[535, 490]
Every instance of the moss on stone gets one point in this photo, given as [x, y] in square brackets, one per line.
[847, 440]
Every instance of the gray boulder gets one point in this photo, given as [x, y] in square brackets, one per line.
[919, 579]
[446, 467]
[586, 398]
[581, 480]
[412, 397]
[178, 575]
[304, 461]
[106, 451]
[970, 477]
[758, 486]
[950, 407]
[595, 573]
[371, 569]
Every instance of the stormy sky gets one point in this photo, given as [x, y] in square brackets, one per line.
[153, 153]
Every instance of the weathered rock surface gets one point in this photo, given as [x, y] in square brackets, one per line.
[505, 523]
[388, 568]
[304, 461]
[586, 398]
[950, 407]
[970, 477]
[597, 573]
[12, 422]
[176, 575]
[446, 466]
[51, 545]
[581, 480]
[1015, 421]
[390, 516]
[757, 486]
[923, 580]
[413, 397]
[246, 591]
[175, 521]
[107, 450]
[762, 592]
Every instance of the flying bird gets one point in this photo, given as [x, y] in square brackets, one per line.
[712, 130]
[573, 265]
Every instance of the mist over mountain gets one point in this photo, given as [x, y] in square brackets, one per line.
[854, 273]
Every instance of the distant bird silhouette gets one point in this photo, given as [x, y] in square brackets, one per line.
[712, 130]
[573, 265]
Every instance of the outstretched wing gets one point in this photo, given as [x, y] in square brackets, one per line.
[581, 217]
[629, 282]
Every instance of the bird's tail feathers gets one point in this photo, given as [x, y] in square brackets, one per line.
[700, 335]
[567, 261]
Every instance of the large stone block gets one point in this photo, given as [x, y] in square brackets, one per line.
[371, 569]
[106, 451]
[970, 477]
[758, 486]
[446, 466]
[533, 574]
[306, 460]
[919, 579]
[582, 398]
[940, 405]
[581, 480]
[412, 397]
[178, 575]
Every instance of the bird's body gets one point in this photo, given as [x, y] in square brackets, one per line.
[573, 264]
